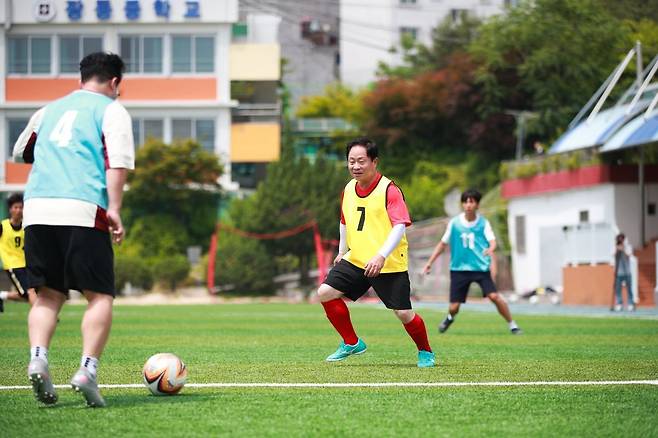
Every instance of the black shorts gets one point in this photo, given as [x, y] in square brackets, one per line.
[64, 257]
[460, 281]
[18, 277]
[392, 288]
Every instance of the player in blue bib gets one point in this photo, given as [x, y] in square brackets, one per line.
[81, 148]
[472, 245]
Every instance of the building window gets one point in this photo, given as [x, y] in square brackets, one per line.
[457, 15]
[583, 216]
[72, 48]
[193, 54]
[142, 54]
[28, 55]
[201, 130]
[408, 32]
[407, 2]
[651, 209]
[14, 129]
[519, 231]
[144, 129]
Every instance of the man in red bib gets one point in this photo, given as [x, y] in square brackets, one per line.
[372, 253]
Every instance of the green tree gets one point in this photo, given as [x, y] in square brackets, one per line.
[448, 37]
[632, 9]
[294, 192]
[338, 101]
[179, 181]
[171, 270]
[244, 264]
[546, 56]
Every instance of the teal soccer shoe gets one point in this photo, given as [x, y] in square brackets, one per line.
[425, 359]
[345, 350]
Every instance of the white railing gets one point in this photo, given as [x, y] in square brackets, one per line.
[323, 124]
[589, 244]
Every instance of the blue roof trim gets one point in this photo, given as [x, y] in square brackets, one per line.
[645, 134]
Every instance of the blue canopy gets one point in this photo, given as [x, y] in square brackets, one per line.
[640, 130]
[598, 131]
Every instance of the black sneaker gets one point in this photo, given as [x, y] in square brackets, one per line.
[516, 331]
[445, 324]
[2, 305]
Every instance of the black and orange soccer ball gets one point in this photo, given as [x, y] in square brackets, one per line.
[164, 374]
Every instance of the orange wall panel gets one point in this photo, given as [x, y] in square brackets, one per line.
[588, 285]
[16, 173]
[169, 89]
[27, 89]
[132, 88]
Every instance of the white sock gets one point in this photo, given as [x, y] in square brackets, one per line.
[512, 325]
[89, 363]
[449, 317]
[39, 352]
[3, 295]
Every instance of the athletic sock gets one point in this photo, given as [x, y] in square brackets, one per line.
[3, 295]
[450, 317]
[512, 325]
[417, 331]
[39, 352]
[339, 316]
[90, 364]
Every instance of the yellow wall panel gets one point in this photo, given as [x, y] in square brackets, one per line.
[255, 142]
[255, 62]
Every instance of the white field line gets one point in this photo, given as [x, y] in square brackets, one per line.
[372, 385]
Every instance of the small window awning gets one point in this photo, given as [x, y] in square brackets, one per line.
[641, 130]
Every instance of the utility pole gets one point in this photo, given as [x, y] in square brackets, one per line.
[522, 118]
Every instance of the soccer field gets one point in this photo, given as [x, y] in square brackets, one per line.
[277, 343]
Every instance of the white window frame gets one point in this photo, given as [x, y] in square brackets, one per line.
[165, 48]
[193, 121]
[408, 30]
[80, 37]
[142, 137]
[29, 73]
[193, 71]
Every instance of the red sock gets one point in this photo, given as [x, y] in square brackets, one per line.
[416, 329]
[339, 316]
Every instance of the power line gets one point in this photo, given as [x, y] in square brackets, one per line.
[275, 4]
[293, 20]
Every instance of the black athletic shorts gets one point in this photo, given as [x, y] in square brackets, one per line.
[18, 277]
[460, 281]
[64, 257]
[392, 288]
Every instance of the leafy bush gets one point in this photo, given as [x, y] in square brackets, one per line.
[132, 269]
[170, 270]
[244, 264]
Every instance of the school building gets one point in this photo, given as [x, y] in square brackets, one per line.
[182, 57]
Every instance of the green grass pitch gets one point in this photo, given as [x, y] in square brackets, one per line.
[267, 343]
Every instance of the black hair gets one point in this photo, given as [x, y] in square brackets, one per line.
[472, 194]
[14, 199]
[620, 238]
[103, 66]
[371, 147]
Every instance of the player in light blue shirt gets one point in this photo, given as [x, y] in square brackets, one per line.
[472, 245]
[81, 148]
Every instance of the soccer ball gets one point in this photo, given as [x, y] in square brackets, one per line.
[164, 374]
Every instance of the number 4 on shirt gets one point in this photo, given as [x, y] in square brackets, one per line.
[62, 133]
